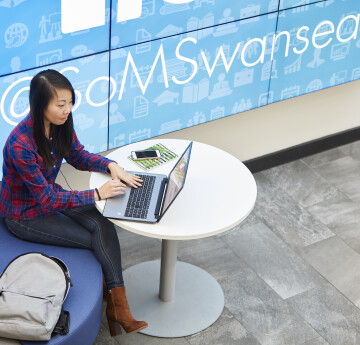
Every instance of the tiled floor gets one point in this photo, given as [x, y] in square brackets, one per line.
[291, 271]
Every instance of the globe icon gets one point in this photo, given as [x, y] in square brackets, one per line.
[20, 105]
[16, 35]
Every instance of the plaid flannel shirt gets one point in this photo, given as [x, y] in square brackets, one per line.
[28, 188]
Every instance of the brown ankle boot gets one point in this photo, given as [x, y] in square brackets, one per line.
[118, 313]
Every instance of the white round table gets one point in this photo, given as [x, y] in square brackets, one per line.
[176, 298]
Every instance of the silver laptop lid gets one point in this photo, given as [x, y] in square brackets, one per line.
[176, 180]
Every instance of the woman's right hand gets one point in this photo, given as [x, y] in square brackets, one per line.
[110, 189]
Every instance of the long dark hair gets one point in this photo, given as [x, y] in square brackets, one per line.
[42, 89]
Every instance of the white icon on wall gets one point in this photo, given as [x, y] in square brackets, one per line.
[82, 121]
[314, 85]
[217, 113]
[193, 93]
[245, 76]
[290, 92]
[265, 98]
[317, 61]
[172, 6]
[139, 135]
[115, 116]
[293, 67]
[273, 5]
[170, 126]
[143, 73]
[141, 107]
[21, 105]
[15, 66]
[118, 141]
[170, 30]
[300, 8]
[355, 73]
[252, 12]
[167, 97]
[77, 15]
[50, 28]
[197, 119]
[199, 3]
[339, 51]
[49, 57]
[194, 24]
[174, 68]
[143, 35]
[227, 25]
[338, 78]
[221, 88]
[16, 35]
[324, 3]
[243, 105]
[10, 3]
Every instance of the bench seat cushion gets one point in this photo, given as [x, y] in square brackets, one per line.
[84, 301]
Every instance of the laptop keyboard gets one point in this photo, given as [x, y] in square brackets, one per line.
[139, 199]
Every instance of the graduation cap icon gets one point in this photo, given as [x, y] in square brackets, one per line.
[169, 30]
[167, 97]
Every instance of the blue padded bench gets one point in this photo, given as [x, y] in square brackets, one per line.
[84, 301]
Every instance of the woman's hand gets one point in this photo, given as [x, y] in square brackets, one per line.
[109, 189]
[118, 173]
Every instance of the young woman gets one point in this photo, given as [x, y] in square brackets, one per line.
[39, 210]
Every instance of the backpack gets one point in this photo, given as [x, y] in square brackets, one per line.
[33, 288]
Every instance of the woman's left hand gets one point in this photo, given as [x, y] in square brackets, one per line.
[117, 173]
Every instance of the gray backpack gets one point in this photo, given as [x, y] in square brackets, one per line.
[33, 288]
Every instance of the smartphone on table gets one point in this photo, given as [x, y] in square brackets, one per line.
[145, 154]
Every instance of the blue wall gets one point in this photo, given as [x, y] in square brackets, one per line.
[175, 66]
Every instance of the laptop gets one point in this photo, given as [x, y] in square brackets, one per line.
[149, 202]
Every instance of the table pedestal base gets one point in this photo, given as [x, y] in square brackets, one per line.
[198, 302]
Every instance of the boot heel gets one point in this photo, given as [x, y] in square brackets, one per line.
[114, 328]
[118, 313]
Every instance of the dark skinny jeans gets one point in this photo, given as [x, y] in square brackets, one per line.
[82, 227]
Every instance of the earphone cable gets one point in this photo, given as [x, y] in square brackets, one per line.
[65, 179]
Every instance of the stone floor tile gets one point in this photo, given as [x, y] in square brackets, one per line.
[283, 215]
[338, 263]
[249, 221]
[316, 341]
[336, 211]
[333, 316]
[301, 182]
[350, 234]
[262, 312]
[277, 264]
[335, 171]
[352, 149]
[225, 318]
[324, 157]
[229, 334]
[210, 254]
[104, 337]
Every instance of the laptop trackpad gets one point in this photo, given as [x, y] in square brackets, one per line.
[116, 206]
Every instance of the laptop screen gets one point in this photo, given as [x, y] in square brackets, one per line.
[176, 179]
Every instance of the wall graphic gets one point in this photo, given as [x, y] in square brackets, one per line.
[184, 80]
[163, 66]
[31, 35]
[323, 52]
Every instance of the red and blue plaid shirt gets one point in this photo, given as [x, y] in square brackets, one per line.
[28, 189]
